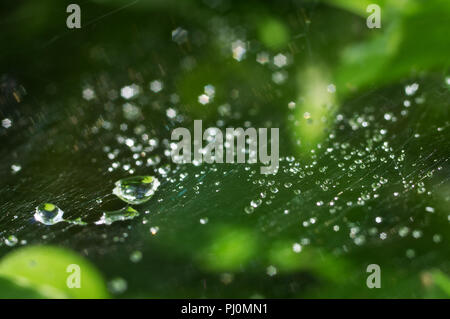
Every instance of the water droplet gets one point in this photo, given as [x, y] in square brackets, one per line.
[255, 203]
[331, 88]
[410, 253]
[11, 241]
[239, 49]
[171, 113]
[136, 189]
[297, 248]
[136, 256]
[126, 213]
[179, 35]
[411, 89]
[77, 221]
[156, 86]
[271, 270]
[417, 234]
[154, 230]
[6, 123]
[88, 94]
[117, 285]
[130, 91]
[437, 238]
[429, 209]
[48, 214]
[249, 209]
[280, 60]
[262, 58]
[421, 190]
[203, 99]
[403, 231]
[226, 278]
[15, 168]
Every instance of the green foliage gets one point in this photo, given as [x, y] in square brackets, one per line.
[231, 248]
[11, 290]
[411, 40]
[273, 33]
[441, 281]
[41, 271]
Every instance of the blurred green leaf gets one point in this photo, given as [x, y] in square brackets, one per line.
[412, 41]
[10, 289]
[273, 33]
[44, 269]
[230, 249]
[442, 281]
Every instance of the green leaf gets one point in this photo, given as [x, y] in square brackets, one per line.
[273, 33]
[231, 249]
[442, 281]
[44, 269]
[17, 289]
[410, 41]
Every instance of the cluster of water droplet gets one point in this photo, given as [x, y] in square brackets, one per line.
[132, 190]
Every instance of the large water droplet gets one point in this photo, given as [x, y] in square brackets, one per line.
[48, 214]
[136, 189]
[125, 213]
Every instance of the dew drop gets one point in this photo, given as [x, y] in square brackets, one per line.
[117, 285]
[15, 168]
[297, 248]
[271, 270]
[136, 256]
[437, 238]
[255, 203]
[77, 221]
[136, 189]
[154, 230]
[429, 209]
[249, 209]
[11, 241]
[179, 35]
[410, 253]
[48, 214]
[126, 213]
